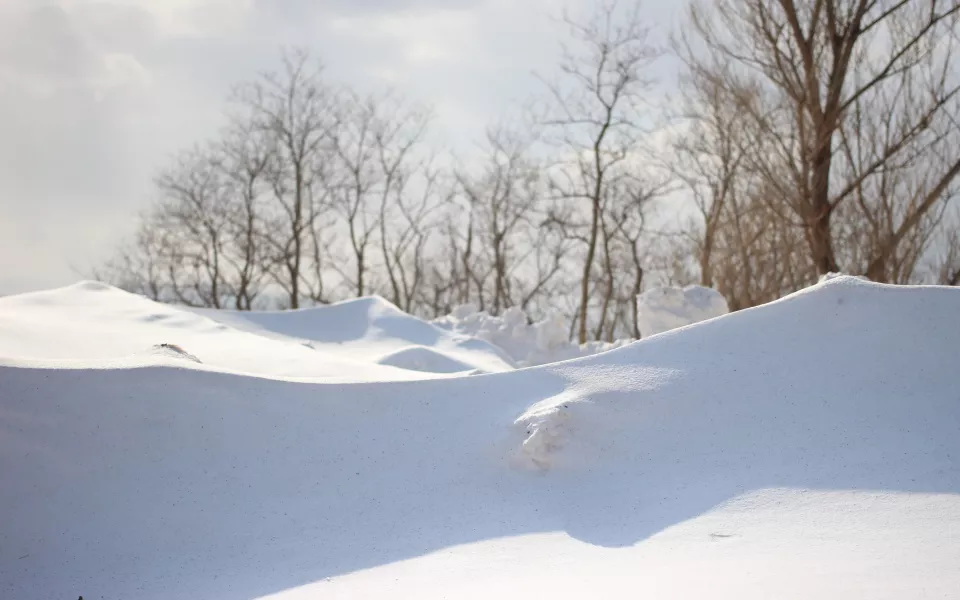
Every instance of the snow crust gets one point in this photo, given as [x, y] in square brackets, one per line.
[802, 449]
[665, 308]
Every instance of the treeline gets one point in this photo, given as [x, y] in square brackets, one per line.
[802, 138]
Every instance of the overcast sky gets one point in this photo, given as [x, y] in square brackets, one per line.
[95, 96]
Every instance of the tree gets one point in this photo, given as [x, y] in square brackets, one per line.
[592, 118]
[292, 114]
[806, 75]
[503, 199]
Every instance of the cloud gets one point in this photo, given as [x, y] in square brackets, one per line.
[77, 103]
[96, 95]
[300, 9]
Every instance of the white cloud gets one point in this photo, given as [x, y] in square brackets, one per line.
[95, 95]
[444, 36]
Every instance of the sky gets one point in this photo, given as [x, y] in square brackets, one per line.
[96, 96]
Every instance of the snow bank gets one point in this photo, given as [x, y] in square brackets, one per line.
[366, 327]
[829, 276]
[93, 321]
[665, 308]
[420, 358]
[802, 449]
[527, 344]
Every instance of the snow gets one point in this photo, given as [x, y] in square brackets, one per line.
[805, 448]
[526, 344]
[94, 322]
[371, 327]
[665, 308]
[421, 358]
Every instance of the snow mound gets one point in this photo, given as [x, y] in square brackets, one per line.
[92, 321]
[665, 308]
[829, 276]
[802, 449]
[173, 350]
[420, 358]
[364, 327]
[526, 344]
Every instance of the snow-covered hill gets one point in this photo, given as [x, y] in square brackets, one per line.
[803, 449]
[365, 328]
[102, 326]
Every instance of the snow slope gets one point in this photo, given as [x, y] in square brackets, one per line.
[91, 321]
[803, 449]
[368, 327]
[526, 344]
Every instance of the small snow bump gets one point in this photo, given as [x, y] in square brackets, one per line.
[174, 351]
[93, 286]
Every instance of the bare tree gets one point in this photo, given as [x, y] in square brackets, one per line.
[592, 117]
[243, 160]
[503, 197]
[404, 214]
[138, 265]
[354, 181]
[194, 214]
[293, 111]
[407, 246]
[948, 269]
[810, 68]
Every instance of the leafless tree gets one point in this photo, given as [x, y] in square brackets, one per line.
[815, 72]
[354, 181]
[195, 217]
[948, 269]
[504, 196]
[405, 214]
[592, 117]
[293, 111]
[243, 160]
[138, 265]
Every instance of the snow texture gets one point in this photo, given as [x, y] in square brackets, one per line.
[370, 327]
[421, 358]
[665, 308]
[802, 449]
[526, 344]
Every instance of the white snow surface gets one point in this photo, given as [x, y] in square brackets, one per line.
[802, 449]
[93, 324]
[526, 344]
[372, 328]
[664, 308]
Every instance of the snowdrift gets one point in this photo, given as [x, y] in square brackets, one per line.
[364, 327]
[92, 321]
[525, 344]
[806, 448]
[421, 358]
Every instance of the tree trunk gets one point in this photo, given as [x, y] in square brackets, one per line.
[820, 238]
[587, 268]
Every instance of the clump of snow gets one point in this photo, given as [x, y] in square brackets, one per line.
[527, 344]
[421, 358]
[545, 431]
[173, 350]
[664, 308]
[828, 276]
